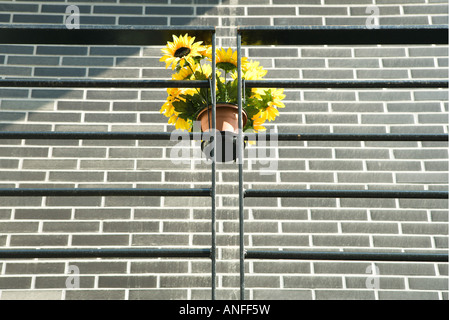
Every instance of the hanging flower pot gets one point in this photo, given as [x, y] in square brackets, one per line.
[191, 62]
[227, 124]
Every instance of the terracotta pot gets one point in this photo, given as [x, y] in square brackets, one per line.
[227, 123]
[227, 116]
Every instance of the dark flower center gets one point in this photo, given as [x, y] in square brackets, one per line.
[182, 52]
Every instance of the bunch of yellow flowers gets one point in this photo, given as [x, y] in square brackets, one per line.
[191, 60]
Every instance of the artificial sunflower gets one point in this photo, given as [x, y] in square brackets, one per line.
[258, 124]
[270, 114]
[253, 71]
[192, 61]
[206, 51]
[180, 123]
[269, 101]
[183, 49]
[168, 109]
[175, 95]
[277, 95]
[227, 60]
[202, 71]
[183, 74]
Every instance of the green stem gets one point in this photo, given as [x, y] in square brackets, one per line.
[199, 92]
[226, 91]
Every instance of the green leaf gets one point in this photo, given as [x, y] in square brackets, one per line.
[232, 89]
[226, 66]
[185, 109]
[222, 92]
[200, 76]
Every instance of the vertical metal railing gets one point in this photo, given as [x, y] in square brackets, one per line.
[341, 36]
[240, 159]
[214, 168]
[107, 35]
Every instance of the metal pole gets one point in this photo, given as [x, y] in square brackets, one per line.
[379, 194]
[240, 164]
[103, 253]
[90, 135]
[348, 256]
[251, 136]
[136, 84]
[214, 170]
[348, 137]
[379, 84]
[104, 192]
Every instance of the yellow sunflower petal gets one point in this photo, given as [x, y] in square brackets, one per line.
[257, 124]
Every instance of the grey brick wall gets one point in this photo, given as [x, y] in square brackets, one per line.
[387, 225]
